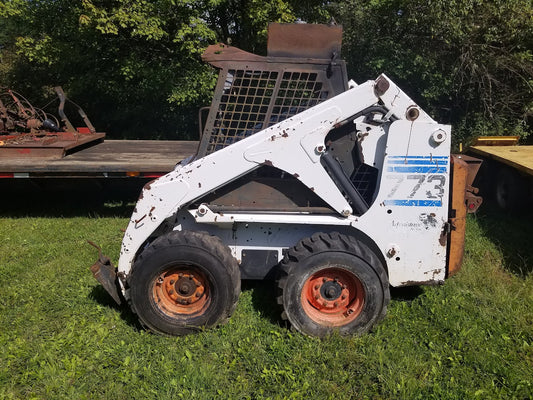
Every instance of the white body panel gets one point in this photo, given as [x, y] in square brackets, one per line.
[405, 221]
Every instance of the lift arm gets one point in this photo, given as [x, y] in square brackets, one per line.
[294, 145]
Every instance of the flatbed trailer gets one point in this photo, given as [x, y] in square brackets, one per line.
[507, 174]
[107, 171]
[44, 149]
[109, 159]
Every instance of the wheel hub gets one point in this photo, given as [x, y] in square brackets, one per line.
[185, 287]
[331, 290]
[182, 291]
[333, 296]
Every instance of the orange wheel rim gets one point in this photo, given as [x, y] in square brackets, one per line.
[333, 297]
[181, 290]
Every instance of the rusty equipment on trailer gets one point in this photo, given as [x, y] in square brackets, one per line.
[28, 131]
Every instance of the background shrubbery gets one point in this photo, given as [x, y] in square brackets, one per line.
[135, 65]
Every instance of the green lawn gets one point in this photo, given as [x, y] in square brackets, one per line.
[62, 337]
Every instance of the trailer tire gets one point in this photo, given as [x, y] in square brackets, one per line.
[184, 281]
[510, 189]
[332, 282]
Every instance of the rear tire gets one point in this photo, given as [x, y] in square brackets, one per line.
[510, 190]
[332, 282]
[184, 281]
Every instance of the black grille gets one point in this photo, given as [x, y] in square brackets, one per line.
[364, 179]
[254, 100]
[251, 96]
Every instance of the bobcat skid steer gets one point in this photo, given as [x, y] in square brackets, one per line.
[335, 189]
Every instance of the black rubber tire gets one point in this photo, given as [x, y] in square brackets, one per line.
[510, 191]
[326, 252]
[200, 255]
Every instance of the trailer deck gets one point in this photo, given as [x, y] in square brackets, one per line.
[519, 157]
[505, 150]
[112, 158]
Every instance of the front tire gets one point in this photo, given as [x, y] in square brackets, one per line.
[184, 281]
[332, 282]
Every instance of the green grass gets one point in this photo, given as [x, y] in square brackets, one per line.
[61, 337]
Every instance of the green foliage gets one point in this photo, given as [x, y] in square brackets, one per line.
[135, 65]
[63, 338]
[468, 62]
[244, 23]
[130, 63]
[11, 8]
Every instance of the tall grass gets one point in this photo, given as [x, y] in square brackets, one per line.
[61, 336]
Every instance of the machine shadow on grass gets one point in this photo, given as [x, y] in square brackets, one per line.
[99, 295]
[263, 300]
[265, 293]
[511, 231]
[68, 198]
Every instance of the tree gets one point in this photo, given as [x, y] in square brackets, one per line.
[130, 63]
[469, 62]
[134, 65]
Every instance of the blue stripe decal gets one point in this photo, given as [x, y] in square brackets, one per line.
[421, 157]
[414, 203]
[417, 162]
[418, 170]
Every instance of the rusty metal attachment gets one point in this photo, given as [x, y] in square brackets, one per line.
[472, 200]
[463, 201]
[18, 115]
[28, 131]
[105, 272]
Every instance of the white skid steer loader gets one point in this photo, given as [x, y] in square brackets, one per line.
[337, 190]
